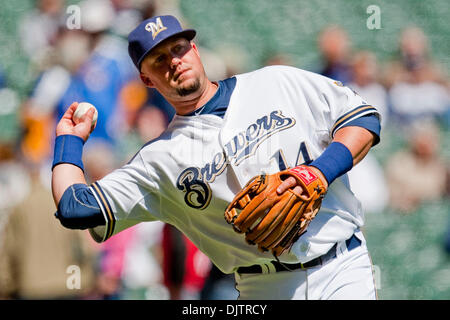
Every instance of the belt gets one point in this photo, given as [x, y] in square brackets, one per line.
[351, 243]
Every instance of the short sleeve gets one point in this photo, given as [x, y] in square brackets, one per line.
[368, 122]
[123, 196]
[344, 104]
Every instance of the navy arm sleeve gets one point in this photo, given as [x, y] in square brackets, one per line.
[78, 208]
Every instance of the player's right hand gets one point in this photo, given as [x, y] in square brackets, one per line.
[82, 129]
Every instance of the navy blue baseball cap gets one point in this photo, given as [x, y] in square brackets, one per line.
[151, 32]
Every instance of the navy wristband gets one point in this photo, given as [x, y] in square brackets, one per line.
[68, 149]
[334, 161]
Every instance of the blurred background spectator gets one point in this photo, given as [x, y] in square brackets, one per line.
[418, 173]
[36, 254]
[418, 88]
[14, 183]
[38, 30]
[334, 47]
[401, 69]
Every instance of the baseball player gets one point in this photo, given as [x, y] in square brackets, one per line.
[275, 119]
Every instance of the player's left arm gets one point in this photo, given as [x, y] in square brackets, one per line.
[358, 141]
[354, 127]
[349, 146]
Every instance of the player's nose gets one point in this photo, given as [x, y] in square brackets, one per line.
[175, 61]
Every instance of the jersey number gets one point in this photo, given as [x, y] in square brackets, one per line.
[303, 157]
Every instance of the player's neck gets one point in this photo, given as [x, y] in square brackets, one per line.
[187, 106]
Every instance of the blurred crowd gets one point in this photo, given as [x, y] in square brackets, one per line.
[152, 260]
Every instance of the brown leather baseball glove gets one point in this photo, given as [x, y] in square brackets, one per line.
[272, 221]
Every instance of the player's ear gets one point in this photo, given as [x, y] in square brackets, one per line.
[146, 80]
[194, 46]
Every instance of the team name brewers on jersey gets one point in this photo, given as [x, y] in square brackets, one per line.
[194, 181]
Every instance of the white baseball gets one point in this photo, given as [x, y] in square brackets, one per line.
[82, 108]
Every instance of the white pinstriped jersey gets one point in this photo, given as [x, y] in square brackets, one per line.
[276, 117]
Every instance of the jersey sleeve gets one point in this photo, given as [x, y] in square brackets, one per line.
[369, 122]
[126, 197]
[344, 105]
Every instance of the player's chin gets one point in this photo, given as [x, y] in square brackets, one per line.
[188, 87]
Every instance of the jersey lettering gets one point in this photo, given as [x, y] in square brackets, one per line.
[246, 142]
[197, 192]
[194, 181]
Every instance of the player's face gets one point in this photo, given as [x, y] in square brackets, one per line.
[174, 68]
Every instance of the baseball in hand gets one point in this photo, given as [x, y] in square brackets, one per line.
[82, 108]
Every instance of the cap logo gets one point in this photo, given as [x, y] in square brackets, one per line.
[155, 28]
